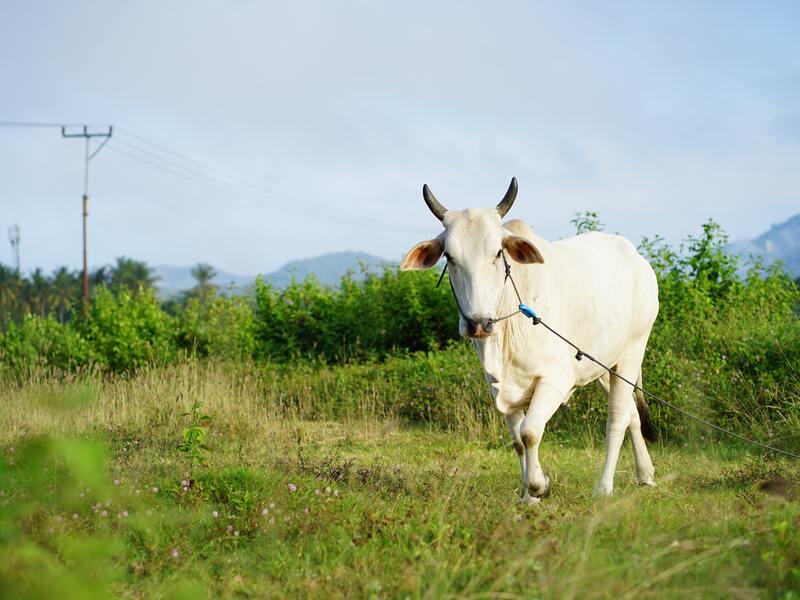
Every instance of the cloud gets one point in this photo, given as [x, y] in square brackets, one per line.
[657, 116]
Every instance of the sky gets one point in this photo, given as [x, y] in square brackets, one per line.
[249, 133]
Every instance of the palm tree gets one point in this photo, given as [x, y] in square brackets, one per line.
[203, 274]
[132, 275]
[66, 291]
[100, 276]
[38, 293]
[10, 288]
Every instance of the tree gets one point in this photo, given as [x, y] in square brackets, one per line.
[203, 274]
[100, 277]
[38, 293]
[131, 274]
[66, 291]
[587, 220]
[10, 294]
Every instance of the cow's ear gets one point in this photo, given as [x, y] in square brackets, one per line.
[422, 256]
[521, 250]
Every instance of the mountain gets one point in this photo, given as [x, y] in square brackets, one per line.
[327, 268]
[781, 242]
[173, 280]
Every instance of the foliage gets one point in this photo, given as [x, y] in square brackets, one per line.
[723, 346]
[61, 293]
[193, 440]
[222, 327]
[587, 220]
[127, 331]
[382, 314]
[367, 509]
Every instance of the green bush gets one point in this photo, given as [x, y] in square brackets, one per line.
[358, 320]
[42, 342]
[725, 347]
[126, 331]
[222, 327]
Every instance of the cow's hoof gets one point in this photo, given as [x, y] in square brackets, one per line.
[602, 491]
[538, 491]
[529, 500]
[648, 482]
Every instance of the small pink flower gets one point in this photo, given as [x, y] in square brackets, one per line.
[124, 514]
[272, 505]
[116, 482]
[155, 490]
[317, 492]
[328, 490]
[306, 510]
[335, 492]
[138, 492]
[174, 553]
[74, 516]
[264, 511]
[104, 513]
[292, 487]
[215, 514]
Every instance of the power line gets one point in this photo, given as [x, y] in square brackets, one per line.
[189, 177]
[38, 124]
[249, 192]
[259, 190]
[209, 176]
[243, 194]
[194, 174]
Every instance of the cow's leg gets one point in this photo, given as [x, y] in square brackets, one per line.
[645, 474]
[514, 420]
[620, 416]
[545, 401]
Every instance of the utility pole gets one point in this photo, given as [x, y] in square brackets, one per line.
[13, 237]
[87, 135]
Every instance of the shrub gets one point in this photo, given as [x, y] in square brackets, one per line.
[40, 342]
[221, 327]
[127, 331]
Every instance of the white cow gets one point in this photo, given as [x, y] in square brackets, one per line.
[593, 288]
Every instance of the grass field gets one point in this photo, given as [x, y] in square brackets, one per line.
[107, 505]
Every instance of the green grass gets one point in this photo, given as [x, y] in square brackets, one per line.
[412, 511]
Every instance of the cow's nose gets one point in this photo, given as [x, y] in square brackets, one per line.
[478, 328]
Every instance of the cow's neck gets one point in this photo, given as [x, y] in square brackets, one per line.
[497, 353]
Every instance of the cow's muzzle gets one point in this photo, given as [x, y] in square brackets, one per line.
[479, 328]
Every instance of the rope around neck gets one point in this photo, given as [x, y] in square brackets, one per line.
[580, 354]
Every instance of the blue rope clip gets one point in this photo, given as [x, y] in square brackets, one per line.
[528, 311]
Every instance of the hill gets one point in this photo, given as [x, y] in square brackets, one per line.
[781, 242]
[327, 268]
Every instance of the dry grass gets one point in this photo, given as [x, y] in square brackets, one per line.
[420, 512]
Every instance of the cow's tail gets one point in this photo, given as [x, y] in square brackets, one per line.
[648, 429]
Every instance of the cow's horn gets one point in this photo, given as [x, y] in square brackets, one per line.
[508, 199]
[436, 208]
